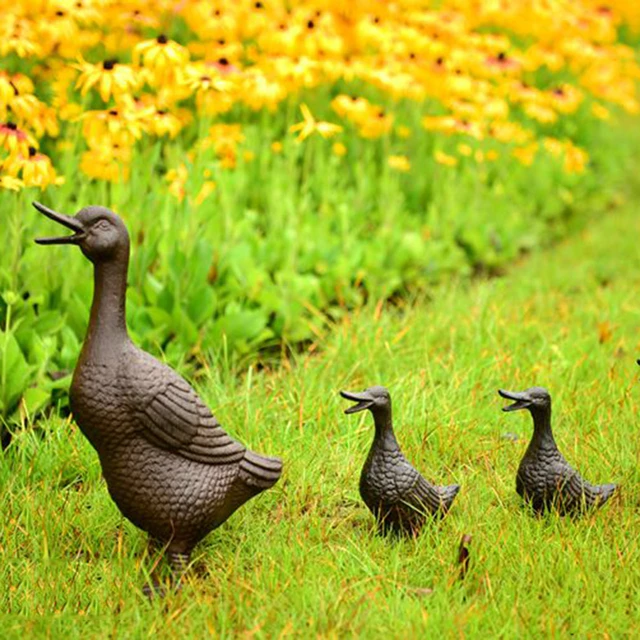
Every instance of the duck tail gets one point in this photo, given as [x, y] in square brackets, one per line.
[260, 471]
[604, 492]
[447, 495]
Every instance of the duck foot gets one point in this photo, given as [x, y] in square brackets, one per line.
[161, 589]
[178, 560]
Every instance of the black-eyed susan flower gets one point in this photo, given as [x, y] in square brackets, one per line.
[11, 183]
[36, 170]
[310, 125]
[164, 58]
[399, 163]
[163, 123]
[111, 78]
[120, 126]
[338, 149]
[177, 179]
[18, 35]
[14, 140]
[110, 162]
[445, 159]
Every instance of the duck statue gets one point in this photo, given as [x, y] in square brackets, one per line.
[397, 495]
[169, 465]
[545, 479]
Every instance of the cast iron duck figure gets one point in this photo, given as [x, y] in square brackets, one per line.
[397, 495]
[545, 479]
[169, 466]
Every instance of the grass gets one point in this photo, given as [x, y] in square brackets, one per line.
[302, 560]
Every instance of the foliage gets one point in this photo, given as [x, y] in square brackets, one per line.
[303, 559]
[278, 168]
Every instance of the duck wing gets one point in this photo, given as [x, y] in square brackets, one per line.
[171, 415]
[411, 489]
[578, 493]
[425, 496]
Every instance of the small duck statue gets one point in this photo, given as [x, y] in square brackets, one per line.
[397, 495]
[545, 479]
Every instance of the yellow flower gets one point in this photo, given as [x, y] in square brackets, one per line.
[163, 123]
[376, 124]
[600, 112]
[339, 149]
[465, 150]
[10, 183]
[113, 126]
[36, 170]
[205, 191]
[541, 113]
[526, 155]
[276, 146]
[445, 159]
[554, 146]
[177, 178]
[17, 35]
[400, 163]
[109, 162]
[164, 58]
[14, 140]
[403, 132]
[310, 125]
[575, 159]
[110, 77]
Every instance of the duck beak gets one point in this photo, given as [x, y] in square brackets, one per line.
[68, 221]
[522, 400]
[363, 399]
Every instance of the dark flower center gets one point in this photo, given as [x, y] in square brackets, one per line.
[32, 152]
[162, 39]
[109, 64]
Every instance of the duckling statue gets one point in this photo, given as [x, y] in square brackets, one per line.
[397, 495]
[169, 466]
[545, 479]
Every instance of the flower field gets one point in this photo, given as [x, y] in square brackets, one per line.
[122, 75]
[279, 164]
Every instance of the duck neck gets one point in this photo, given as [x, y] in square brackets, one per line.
[542, 434]
[384, 428]
[107, 328]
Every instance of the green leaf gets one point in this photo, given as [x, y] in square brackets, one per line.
[33, 400]
[15, 373]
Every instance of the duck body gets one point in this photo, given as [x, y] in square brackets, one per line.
[143, 420]
[545, 479]
[393, 490]
[169, 466]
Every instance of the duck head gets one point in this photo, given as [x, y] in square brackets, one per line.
[98, 231]
[535, 398]
[375, 399]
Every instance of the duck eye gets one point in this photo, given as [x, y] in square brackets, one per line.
[102, 225]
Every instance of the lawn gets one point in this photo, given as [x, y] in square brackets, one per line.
[303, 559]
[440, 198]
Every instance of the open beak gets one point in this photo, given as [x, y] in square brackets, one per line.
[521, 400]
[68, 221]
[363, 399]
